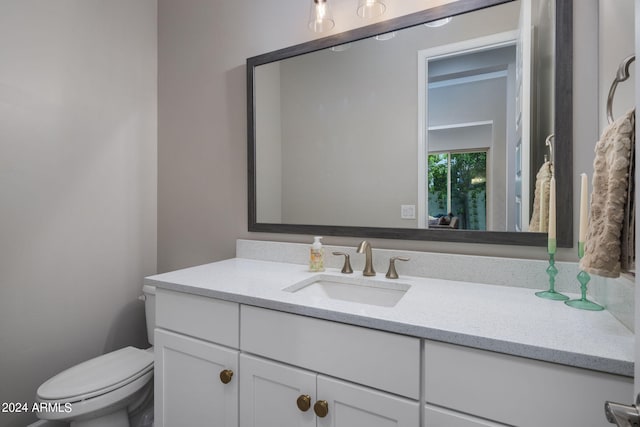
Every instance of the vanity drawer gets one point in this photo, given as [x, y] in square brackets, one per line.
[200, 317]
[515, 390]
[377, 359]
[440, 417]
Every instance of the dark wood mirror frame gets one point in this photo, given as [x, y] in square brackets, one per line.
[563, 126]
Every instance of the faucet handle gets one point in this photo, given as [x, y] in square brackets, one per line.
[346, 268]
[392, 273]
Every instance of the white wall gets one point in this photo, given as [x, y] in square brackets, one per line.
[77, 184]
[616, 42]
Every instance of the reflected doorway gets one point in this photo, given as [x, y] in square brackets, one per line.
[468, 102]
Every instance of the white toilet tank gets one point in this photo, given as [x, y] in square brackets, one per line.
[149, 293]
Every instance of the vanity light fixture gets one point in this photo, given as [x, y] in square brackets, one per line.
[341, 47]
[439, 22]
[370, 8]
[320, 17]
[385, 36]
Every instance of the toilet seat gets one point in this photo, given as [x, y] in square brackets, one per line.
[98, 376]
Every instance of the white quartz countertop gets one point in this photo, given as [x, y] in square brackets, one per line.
[504, 319]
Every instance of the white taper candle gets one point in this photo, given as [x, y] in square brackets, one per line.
[552, 214]
[543, 207]
[584, 206]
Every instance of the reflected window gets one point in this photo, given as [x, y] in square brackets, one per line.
[457, 189]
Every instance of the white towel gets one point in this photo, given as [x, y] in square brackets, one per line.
[610, 210]
[539, 223]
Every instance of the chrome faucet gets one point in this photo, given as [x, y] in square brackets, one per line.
[623, 415]
[365, 247]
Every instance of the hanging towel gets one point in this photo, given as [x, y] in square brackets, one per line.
[628, 255]
[611, 212]
[539, 223]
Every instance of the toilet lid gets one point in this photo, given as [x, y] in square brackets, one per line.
[98, 375]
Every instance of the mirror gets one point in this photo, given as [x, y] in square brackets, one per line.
[385, 130]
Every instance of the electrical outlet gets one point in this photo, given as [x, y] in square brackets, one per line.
[408, 211]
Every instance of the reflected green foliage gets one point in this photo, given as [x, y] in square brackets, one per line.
[468, 178]
[437, 183]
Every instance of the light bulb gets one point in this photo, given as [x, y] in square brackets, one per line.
[320, 17]
[370, 8]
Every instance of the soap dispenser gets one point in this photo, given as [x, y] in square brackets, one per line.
[316, 259]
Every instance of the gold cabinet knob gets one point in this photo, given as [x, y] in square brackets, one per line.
[225, 376]
[304, 402]
[321, 408]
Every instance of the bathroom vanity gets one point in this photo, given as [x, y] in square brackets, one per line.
[239, 342]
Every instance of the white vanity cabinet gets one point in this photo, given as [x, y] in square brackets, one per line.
[196, 361]
[309, 393]
[228, 364]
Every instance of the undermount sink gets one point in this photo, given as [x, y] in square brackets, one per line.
[353, 289]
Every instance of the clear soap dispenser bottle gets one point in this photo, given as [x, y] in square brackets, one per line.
[316, 258]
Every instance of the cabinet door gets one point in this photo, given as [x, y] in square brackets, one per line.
[355, 406]
[189, 390]
[269, 392]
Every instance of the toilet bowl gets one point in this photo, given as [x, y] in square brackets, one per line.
[106, 391]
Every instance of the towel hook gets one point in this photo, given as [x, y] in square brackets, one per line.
[621, 75]
[550, 142]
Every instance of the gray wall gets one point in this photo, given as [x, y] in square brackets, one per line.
[350, 142]
[615, 37]
[543, 78]
[614, 46]
[77, 184]
[268, 143]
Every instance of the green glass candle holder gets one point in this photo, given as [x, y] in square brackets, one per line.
[551, 293]
[583, 278]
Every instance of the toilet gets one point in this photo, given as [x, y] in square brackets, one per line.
[112, 390]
